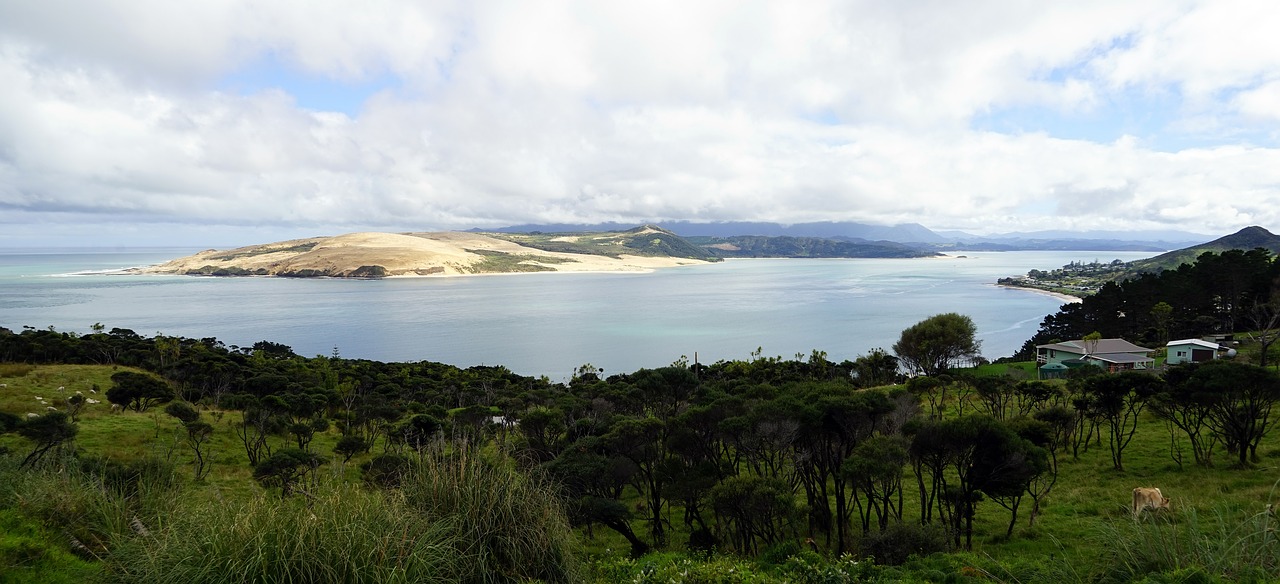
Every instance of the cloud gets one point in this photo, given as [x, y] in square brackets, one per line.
[505, 112]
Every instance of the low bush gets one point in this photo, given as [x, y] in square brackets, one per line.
[902, 540]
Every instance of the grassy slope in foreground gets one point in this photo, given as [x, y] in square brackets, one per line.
[1089, 500]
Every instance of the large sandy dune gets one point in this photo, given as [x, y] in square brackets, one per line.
[401, 254]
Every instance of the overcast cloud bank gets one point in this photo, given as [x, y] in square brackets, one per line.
[147, 122]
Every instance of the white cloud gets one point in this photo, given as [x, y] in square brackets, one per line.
[1260, 103]
[512, 112]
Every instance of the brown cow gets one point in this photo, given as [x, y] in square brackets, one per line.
[1148, 498]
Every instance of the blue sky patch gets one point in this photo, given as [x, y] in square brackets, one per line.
[311, 91]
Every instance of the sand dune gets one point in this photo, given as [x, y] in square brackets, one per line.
[399, 255]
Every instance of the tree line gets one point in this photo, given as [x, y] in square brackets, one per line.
[741, 455]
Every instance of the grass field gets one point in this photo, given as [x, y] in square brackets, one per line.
[1083, 522]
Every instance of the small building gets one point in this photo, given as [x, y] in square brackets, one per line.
[1052, 371]
[1191, 351]
[1110, 354]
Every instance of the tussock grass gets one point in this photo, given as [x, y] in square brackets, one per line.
[513, 525]
[1222, 542]
[89, 506]
[343, 534]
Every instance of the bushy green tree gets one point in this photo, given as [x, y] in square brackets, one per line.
[286, 468]
[138, 391]
[933, 344]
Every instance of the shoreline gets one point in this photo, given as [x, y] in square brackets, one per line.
[1065, 298]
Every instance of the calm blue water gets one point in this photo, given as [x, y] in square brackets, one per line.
[544, 324]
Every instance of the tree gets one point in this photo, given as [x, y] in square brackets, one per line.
[198, 433]
[48, 431]
[138, 391]
[875, 470]
[1162, 314]
[931, 345]
[1265, 317]
[418, 431]
[593, 481]
[1240, 398]
[1118, 399]
[1183, 406]
[875, 368]
[964, 458]
[286, 468]
[349, 446]
[754, 511]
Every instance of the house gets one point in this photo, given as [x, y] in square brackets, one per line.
[1191, 351]
[1111, 354]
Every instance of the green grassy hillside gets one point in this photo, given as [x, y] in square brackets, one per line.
[1082, 532]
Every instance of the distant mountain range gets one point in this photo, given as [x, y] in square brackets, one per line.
[911, 234]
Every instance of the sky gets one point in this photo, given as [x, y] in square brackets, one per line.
[228, 122]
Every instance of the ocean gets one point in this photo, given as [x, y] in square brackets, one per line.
[544, 323]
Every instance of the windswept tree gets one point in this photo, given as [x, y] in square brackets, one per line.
[286, 468]
[875, 472]
[1240, 398]
[198, 433]
[1117, 400]
[935, 343]
[958, 460]
[48, 432]
[1186, 406]
[138, 391]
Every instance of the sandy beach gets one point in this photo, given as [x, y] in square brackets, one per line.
[1066, 298]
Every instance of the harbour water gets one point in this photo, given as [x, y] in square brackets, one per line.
[545, 323]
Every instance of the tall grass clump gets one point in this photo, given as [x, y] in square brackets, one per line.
[512, 524]
[343, 533]
[94, 507]
[1222, 544]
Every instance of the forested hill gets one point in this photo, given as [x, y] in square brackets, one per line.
[1219, 293]
[1247, 238]
[760, 246]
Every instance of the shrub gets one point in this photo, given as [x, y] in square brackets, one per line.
[385, 470]
[900, 541]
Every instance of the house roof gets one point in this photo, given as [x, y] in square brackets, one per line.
[1196, 342]
[1103, 346]
[1121, 358]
